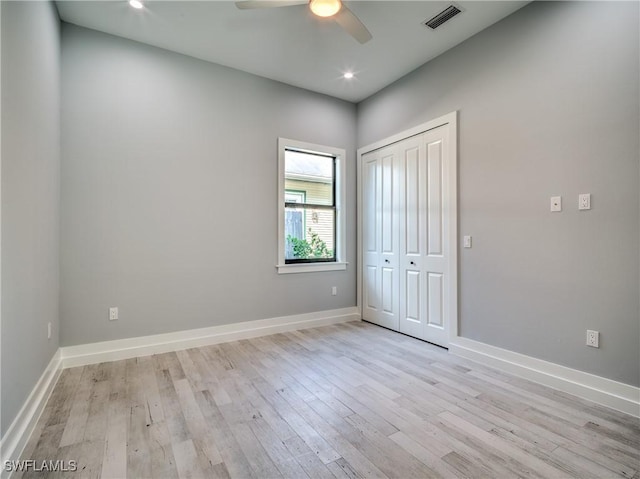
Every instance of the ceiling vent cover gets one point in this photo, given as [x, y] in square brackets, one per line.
[444, 16]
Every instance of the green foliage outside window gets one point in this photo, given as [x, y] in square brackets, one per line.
[303, 249]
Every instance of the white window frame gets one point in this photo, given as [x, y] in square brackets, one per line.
[341, 261]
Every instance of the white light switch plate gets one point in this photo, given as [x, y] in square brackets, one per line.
[467, 241]
[556, 204]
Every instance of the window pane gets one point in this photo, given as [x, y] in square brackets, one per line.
[311, 174]
[291, 196]
[309, 234]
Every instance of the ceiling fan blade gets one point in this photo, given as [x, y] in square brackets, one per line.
[251, 4]
[352, 25]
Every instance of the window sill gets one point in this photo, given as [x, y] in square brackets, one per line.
[310, 267]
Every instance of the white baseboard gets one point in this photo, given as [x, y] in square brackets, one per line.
[615, 395]
[94, 353]
[16, 437]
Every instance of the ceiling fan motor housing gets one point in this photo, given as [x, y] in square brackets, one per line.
[325, 8]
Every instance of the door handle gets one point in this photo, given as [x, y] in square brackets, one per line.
[413, 263]
[386, 261]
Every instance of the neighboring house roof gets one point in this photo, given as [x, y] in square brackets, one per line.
[308, 167]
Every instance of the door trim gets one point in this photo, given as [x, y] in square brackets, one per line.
[450, 119]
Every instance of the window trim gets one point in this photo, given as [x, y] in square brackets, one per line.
[339, 196]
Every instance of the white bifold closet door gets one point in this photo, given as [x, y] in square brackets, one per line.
[380, 176]
[405, 229]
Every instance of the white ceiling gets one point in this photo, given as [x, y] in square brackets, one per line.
[291, 45]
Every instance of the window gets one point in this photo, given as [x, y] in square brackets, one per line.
[311, 200]
[294, 221]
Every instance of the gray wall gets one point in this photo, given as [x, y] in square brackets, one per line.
[169, 191]
[30, 196]
[548, 103]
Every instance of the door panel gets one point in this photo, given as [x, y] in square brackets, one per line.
[436, 260]
[389, 225]
[412, 307]
[388, 203]
[434, 188]
[412, 234]
[388, 300]
[435, 300]
[371, 286]
[413, 296]
[370, 197]
[370, 240]
[380, 238]
[412, 201]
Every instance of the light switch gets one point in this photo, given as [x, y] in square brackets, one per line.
[584, 201]
[467, 241]
[556, 204]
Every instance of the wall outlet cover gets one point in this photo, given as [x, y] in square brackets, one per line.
[593, 338]
[584, 201]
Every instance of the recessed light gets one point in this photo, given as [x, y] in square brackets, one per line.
[137, 4]
[348, 75]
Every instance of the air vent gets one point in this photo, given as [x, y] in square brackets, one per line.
[444, 16]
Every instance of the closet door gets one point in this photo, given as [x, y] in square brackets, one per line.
[425, 241]
[380, 227]
[413, 234]
[408, 229]
[438, 257]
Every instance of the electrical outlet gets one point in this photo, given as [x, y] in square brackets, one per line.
[334, 291]
[113, 314]
[593, 338]
[584, 201]
[556, 204]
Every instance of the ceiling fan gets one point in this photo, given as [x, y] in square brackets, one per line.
[334, 9]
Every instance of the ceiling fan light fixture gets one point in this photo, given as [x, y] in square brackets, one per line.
[325, 8]
[137, 4]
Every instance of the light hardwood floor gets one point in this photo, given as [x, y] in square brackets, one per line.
[345, 401]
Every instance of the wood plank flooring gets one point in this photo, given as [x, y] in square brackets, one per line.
[346, 401]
